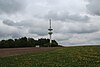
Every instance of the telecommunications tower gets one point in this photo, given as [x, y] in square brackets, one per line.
[50, 32]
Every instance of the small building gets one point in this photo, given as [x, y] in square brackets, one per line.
[37, 46]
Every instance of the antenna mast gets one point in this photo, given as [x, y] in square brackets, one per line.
[50, 32]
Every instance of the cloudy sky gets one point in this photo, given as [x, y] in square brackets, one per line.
[75, 22]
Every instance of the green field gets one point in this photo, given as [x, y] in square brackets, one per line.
[60, 57]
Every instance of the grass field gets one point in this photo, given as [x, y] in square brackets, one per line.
[87, 56]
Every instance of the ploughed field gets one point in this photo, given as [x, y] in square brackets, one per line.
[18, 51]
[82, 56]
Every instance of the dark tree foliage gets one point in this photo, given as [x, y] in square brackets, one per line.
[27, 42]
[43, 42]
[31, 42]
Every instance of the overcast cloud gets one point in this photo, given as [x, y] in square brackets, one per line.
[94, 7]
[11, 6]
[65, 16]
[75, 22]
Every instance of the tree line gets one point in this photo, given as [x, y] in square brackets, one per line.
[27, 42]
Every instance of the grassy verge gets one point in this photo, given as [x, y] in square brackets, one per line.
[88, 56]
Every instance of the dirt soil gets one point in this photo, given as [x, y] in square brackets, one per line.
[17, 51]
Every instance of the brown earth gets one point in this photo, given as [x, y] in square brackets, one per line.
[18, 51]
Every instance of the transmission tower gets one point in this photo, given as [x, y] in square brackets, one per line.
[50, 32]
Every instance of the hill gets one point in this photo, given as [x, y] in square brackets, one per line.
[83, 56]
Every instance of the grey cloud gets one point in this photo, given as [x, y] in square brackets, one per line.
[3, 34]
[94, 7]
[84, 28]
[26, 23]
[95, 41]
[15, 34]
[65, 16]
[83, 39]
[32, 27]
[9, 23]
[62, 36]
[9, 32]
[18, 24]
[10, 6]
[38, 31]
[67, 43]
[79, 28]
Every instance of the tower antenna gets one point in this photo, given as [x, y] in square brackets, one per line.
[50, 32]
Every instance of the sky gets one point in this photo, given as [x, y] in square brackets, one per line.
[75, 22]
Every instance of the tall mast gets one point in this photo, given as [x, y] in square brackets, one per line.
[50, 32]
[50, 23]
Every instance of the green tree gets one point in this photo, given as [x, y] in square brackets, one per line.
[23, 42]
[10, 43]
[54, 43]
[27, 42]
[31, 42]
[2, 44]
